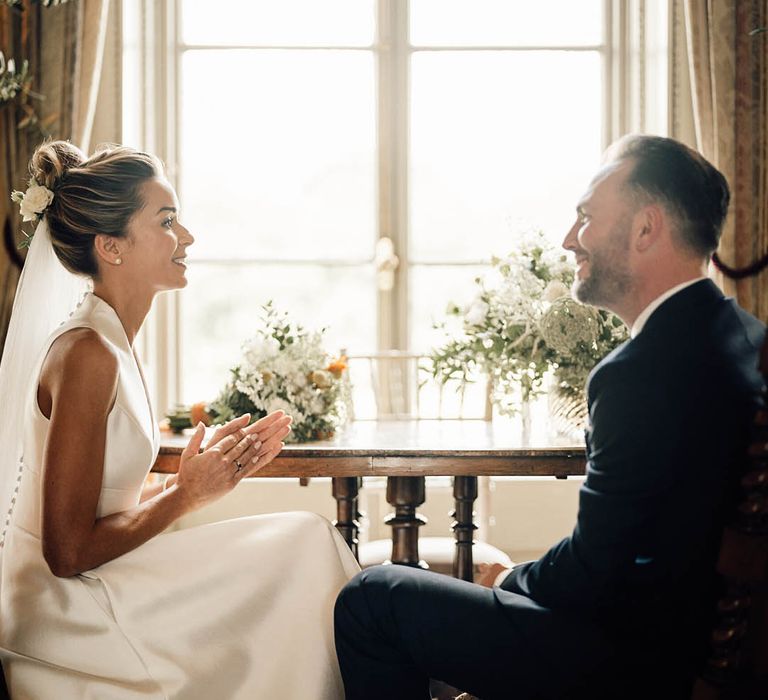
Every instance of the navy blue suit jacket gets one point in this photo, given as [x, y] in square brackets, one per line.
[669, 417]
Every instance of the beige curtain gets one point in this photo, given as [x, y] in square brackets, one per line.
[64, 45]
[728, 61]
[72, 55]
[18, 40]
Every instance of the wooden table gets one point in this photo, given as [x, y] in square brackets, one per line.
[406, 452]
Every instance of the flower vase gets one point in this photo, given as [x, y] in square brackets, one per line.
[568, 411]
[509, 408]
[525, 419]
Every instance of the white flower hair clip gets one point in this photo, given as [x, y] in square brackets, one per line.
[32, 205]
[34, 201]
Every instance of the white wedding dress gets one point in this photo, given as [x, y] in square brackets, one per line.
[233, 610]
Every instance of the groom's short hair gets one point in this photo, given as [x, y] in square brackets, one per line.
[689, 187]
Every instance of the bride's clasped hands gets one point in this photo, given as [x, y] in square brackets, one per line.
[235, 451]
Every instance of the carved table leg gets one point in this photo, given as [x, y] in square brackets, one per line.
[406, 493]
[345, 490]
[464, 493]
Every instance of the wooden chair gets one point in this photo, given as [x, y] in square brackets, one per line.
[3, 687]
[737, 667]
[395, 385]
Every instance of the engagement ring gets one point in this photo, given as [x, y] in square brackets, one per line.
[238, 465]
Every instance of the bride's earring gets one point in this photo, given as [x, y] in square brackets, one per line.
[118, 261]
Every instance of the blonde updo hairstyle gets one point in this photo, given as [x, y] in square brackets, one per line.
[92, 195]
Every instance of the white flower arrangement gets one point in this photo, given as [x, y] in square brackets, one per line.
[33, 202]
[286, 368]
[12, 82]
[522, 324]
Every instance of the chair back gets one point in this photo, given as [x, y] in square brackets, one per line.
[398, 385]
[737, 666]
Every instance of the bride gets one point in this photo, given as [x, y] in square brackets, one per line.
[95, 600]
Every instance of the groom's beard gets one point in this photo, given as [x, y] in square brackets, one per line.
[609, 278]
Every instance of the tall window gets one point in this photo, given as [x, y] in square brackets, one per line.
[316, 142]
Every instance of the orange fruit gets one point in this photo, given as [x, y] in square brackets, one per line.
[197, 414]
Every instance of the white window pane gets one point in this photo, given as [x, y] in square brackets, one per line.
[221, 309]
[500, 142]
[277, 161]
[278, 22]
[431, 290]
[506, 22]
[132, 78]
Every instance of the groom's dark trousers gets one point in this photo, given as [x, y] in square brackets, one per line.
[620, 608]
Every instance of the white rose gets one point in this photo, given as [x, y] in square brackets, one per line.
[555, 290]
[36, 199]
[477, 313]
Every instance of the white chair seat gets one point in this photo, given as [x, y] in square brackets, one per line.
[437, 552]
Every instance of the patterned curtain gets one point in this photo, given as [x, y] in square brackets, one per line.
[63, 44]
[728, 57]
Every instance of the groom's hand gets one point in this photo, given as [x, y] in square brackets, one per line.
[489, 573]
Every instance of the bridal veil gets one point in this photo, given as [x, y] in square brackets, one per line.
[46, 295]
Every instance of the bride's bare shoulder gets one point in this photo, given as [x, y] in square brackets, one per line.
[79, 354]
[81, 345]
[80, 368]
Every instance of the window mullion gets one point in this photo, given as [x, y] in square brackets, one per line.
[617, 69]
[637, 67]
[393, 107]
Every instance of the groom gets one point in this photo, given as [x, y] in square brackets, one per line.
[620, 608]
